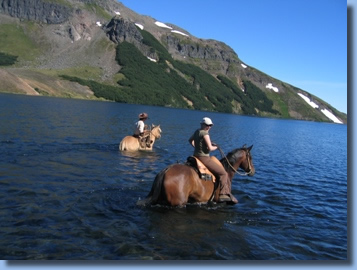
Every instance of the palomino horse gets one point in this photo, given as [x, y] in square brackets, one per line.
[131, 143]
[179, 184]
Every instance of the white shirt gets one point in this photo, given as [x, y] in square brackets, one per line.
[139, 127]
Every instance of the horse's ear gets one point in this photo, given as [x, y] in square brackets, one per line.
[244, 146]
[250, 147]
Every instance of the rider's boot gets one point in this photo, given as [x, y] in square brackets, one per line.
[228, 198]
[142, 141]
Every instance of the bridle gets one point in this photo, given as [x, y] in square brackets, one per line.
[248, 158]
[152, 134]
[156, 136]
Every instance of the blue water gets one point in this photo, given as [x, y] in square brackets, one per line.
[66, 192]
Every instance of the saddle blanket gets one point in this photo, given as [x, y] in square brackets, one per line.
[203, 172]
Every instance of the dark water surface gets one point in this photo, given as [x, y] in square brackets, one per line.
[66, 192]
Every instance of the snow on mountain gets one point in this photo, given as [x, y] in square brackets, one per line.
[308, 101]
[178, 32]
[160, 24]
[270, 86]
[331, 116]
[326, 112]
[140, 26]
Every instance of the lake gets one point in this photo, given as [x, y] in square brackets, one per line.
[68, 193]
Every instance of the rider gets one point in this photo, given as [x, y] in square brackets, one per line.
[141, 130]
[201, 141]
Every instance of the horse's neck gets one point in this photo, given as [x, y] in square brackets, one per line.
[155, 132]
[232, 168]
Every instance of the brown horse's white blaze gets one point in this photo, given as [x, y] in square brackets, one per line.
[180, 184]
[131, 143]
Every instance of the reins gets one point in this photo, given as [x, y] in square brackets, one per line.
[230, 165]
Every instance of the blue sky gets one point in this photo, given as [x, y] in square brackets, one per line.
[301, 42]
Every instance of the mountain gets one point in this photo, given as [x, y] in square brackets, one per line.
[102, 50]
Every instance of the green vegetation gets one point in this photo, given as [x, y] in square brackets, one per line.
[176, 84]
[149, 82]
[41, 92]
[257, 98]
[108, 92]
[7, 59]
[84, 72]
[13, 40]
[156, 46]
[279, 104]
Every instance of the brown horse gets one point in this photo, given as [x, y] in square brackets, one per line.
[131, 143]
[179, 184]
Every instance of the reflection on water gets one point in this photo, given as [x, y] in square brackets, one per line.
[66, 192]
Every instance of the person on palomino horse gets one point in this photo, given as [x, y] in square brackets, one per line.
[201, 141]
[141, 130]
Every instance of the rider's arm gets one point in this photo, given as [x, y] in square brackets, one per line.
[191, 141]
[209, 143]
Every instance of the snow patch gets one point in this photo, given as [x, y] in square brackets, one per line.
[270, 86]
[331, 116]
[151, 59]
[311, 103]
[99, 24]
[160, 24]
[178, 32]
[244, 66]
[117, 12]
[326, 112]
[140, 26]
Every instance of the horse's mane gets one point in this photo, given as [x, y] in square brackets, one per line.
[232, 157]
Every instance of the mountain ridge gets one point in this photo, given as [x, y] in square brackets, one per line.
[85, 43]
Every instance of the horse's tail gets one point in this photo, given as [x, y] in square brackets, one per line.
[121, 147]
[124, 145]
[156, 194]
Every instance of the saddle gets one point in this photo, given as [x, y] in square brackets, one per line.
[201, 169]
[143, 141]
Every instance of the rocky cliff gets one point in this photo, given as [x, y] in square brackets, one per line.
[37, 10]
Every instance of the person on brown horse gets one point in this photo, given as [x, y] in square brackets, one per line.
[141, 130]
[201, 141]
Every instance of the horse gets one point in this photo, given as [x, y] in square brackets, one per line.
[131, 143]
[179, 184]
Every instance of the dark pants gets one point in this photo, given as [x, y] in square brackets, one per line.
[219, 172]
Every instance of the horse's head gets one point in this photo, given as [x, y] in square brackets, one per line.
[247, 163]
[239, 158]
[156, 131]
